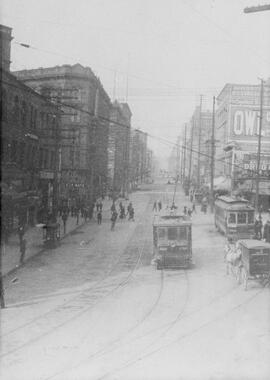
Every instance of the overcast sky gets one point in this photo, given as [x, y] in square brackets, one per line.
[171, 50]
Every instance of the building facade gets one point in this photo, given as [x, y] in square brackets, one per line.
[138, 157]
[85, 111]
[118, 148]
[237, 127]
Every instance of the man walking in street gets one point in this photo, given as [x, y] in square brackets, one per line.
[64, 218]
[22, 250]
[159, 205]
[155, 206]
[99, 216]
[113, 219]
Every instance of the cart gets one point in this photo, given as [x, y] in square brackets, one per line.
[255, 256]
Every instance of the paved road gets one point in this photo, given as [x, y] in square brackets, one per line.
[97, 309]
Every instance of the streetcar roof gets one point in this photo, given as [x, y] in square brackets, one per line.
[167, 220]
[252, 243]
[233, 204]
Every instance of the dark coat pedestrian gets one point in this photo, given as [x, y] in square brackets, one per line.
[185, 210]
[113, 219]
[159, 205]
[131, 214]
[155, 206]
[22, 250]
[99, 216]
[64, 218]
[122, 213]
[113, 208]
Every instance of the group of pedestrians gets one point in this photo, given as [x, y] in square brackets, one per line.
[122, 213]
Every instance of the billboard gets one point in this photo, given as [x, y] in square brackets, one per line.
[246, 163]
[245, 123]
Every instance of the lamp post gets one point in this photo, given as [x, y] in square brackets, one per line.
[259, 149]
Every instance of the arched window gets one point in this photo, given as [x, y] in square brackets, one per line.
[24, 113]
[16, 108]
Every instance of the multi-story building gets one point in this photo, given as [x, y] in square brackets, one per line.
[138, 157]
[29, 159]
[237, 127]
[198, 150]
[85, 108]
[118, 148]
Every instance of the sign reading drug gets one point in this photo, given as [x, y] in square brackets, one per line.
[245, 123]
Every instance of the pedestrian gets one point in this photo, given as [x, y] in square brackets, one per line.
[99, 216]
[122, 212]
[266, 230]
[185, 210]
[194, 208]
[159, 205]
[64, 218]
[256, 229]
[21, 232]
[113, 219]
[155, 206]
[189, 212]
[113, 208]
[22, 250]
[260, 227]
[131, 214]
[129, 207]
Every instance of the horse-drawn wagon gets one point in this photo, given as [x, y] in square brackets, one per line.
[255, 258]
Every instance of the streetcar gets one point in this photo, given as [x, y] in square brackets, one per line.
[255, 258]
[234, 217]
[172, 238]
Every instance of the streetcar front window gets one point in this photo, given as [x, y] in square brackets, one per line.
[161, 233]
[242, 218]
[182, 233]
[172, 233]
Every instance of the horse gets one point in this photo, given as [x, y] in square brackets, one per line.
[233, 259]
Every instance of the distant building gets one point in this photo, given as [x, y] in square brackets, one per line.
[197, 155]
[118, 148]
[85, 108]
[138, 157]
[237, 128]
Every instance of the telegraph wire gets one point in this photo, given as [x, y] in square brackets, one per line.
[105, 119]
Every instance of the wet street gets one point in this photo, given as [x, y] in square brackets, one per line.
[97, 308]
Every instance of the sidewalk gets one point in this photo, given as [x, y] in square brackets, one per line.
[34, 241]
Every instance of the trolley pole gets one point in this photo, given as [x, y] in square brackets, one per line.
[185, 150]
[190, 154]
[259, 149]
[213, 156]
[199, 146]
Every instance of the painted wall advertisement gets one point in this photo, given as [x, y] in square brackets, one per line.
[245, 123]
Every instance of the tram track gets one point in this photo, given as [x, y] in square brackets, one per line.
[76, 304]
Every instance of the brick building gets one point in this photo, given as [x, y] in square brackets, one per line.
[85, 108]
[29, 155]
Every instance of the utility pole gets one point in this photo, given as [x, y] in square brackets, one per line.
[177, 166]
[185, 150]
[259, 149]
[199, 145]
[190, 154]
[213, 155]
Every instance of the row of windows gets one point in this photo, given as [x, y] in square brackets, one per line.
[27, 114]
[27, 155]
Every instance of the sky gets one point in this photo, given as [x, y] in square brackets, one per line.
[159, 55]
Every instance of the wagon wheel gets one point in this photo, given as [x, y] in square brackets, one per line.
[244, 278]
